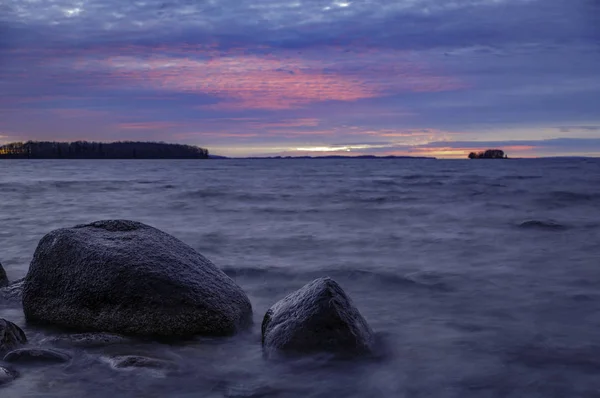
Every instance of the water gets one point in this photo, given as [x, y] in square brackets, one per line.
[467, 301]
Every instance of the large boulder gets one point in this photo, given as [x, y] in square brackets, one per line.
[11, 336]
[129, 278]
[3, 277]
[318, 317]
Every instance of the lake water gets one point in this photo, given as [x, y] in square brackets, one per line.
[467, 297]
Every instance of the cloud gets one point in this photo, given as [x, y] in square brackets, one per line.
[583, 143]
[569, 129]
[301, 24]
[303, 73]
[146, 126]
[252, 82]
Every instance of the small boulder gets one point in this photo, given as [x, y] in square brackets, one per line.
[36, 355]
[7, 375]
[3, 277]
[11, 336]
[319, 317]
[128, 278]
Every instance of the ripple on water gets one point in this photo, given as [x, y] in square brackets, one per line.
[542, 225]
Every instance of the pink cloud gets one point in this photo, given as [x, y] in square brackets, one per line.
[242, 81]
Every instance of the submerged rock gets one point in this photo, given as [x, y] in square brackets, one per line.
[11, 336]
[37, 355]
[13, 292]
[3, 277]
[136, 361]
[318, 317]
[7, 375]
[129, 278]
[250, 391]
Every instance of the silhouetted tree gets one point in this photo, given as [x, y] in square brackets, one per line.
[489, 154]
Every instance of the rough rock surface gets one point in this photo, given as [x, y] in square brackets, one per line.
[11, 336]
[36, 355]
[126, 277]
[318, 317]
[88, 340]
[3, 277]
[7, 375]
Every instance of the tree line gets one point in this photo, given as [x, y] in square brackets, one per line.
[100, 150]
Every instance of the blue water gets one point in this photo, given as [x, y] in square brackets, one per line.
[481, 278]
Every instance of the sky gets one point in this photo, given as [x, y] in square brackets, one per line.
[306, 77]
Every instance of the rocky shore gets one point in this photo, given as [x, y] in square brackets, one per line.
[114, 282]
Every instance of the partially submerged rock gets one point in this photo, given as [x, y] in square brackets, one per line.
[250, 391]
[11, 336]
[136, 361]
[3, 277]
[7, 375]
[37, 355]
[318, 317]
[129, 278]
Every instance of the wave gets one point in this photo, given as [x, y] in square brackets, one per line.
[543, 225]
[385, 182]
[418, 176]
[428, 280]
[575, 197]
[537, 355]
[517, 177]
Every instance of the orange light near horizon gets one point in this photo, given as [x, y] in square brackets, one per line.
[460, 153]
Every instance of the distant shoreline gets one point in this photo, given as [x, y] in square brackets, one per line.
[362, 157]
[100, 150]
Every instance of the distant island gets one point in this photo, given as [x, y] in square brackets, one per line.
[489, 154]
[100, 150]
[337, 157]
